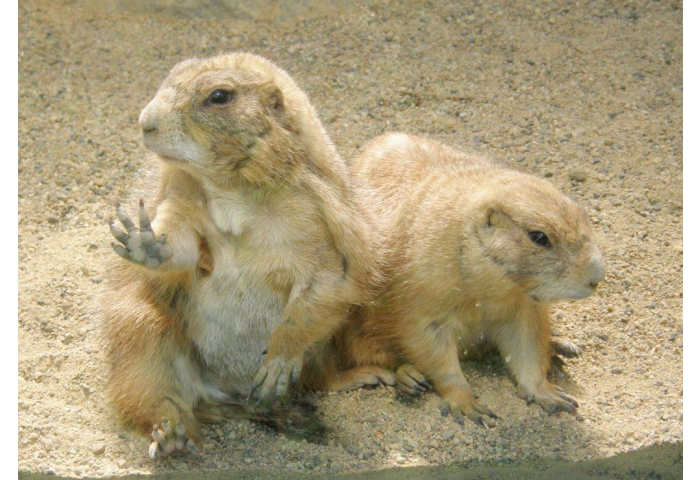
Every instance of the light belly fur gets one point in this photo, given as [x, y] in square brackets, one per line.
[233, 315]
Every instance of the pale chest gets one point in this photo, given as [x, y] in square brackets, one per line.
[269, 233]
[259, 250]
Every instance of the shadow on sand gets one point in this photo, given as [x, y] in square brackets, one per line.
[657, 462]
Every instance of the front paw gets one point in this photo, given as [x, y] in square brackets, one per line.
[550, 397]
[275, 378]
[139, 245]
[410, 381]
[461, 403]
[169, 441]
[359, 377]
[565, 347]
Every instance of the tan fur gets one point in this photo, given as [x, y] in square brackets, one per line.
[461, 268]
[269, 248]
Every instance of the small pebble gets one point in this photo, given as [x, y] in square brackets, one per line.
[578, 175]
[98, 449]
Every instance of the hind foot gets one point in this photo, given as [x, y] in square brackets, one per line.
[168, 441]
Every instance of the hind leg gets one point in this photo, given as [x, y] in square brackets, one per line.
[151, 392]
[154, 381]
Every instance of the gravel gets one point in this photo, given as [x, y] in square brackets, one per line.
[578, 92]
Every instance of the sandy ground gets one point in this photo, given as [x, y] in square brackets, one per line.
[588, 94]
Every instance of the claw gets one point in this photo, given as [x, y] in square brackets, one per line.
[167, 428]
[411, 381]
[569, 399]
[145, 223]
[154, 451]
[157, 434]
[257, 382]
[126, 221]
[282, 384]
[191, 446]
[482, 422]
[294, 379]
[445, 409]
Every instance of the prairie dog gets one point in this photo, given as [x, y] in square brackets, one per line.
[474, 250]
[249, 252]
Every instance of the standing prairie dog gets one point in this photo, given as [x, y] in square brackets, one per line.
[250, 250]
[474, 250]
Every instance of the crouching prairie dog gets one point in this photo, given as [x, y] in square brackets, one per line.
[474, 251]
[246, 252]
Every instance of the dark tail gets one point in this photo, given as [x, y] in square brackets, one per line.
[295, 419]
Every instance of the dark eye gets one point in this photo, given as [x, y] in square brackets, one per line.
[220, 97]
[539, 238]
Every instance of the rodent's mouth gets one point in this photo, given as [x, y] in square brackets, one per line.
[562, 295]
[167, 158]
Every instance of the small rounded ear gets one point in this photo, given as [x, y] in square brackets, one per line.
[492, 217]
[276, 99]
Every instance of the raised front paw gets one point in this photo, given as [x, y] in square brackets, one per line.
[550, 397]
[461, 403]
[168, 441]
[139, 245]
[275, 378]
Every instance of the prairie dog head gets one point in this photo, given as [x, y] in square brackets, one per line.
[212, 116]
[540, 240]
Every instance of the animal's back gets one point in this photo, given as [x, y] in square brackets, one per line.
[476, 250]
